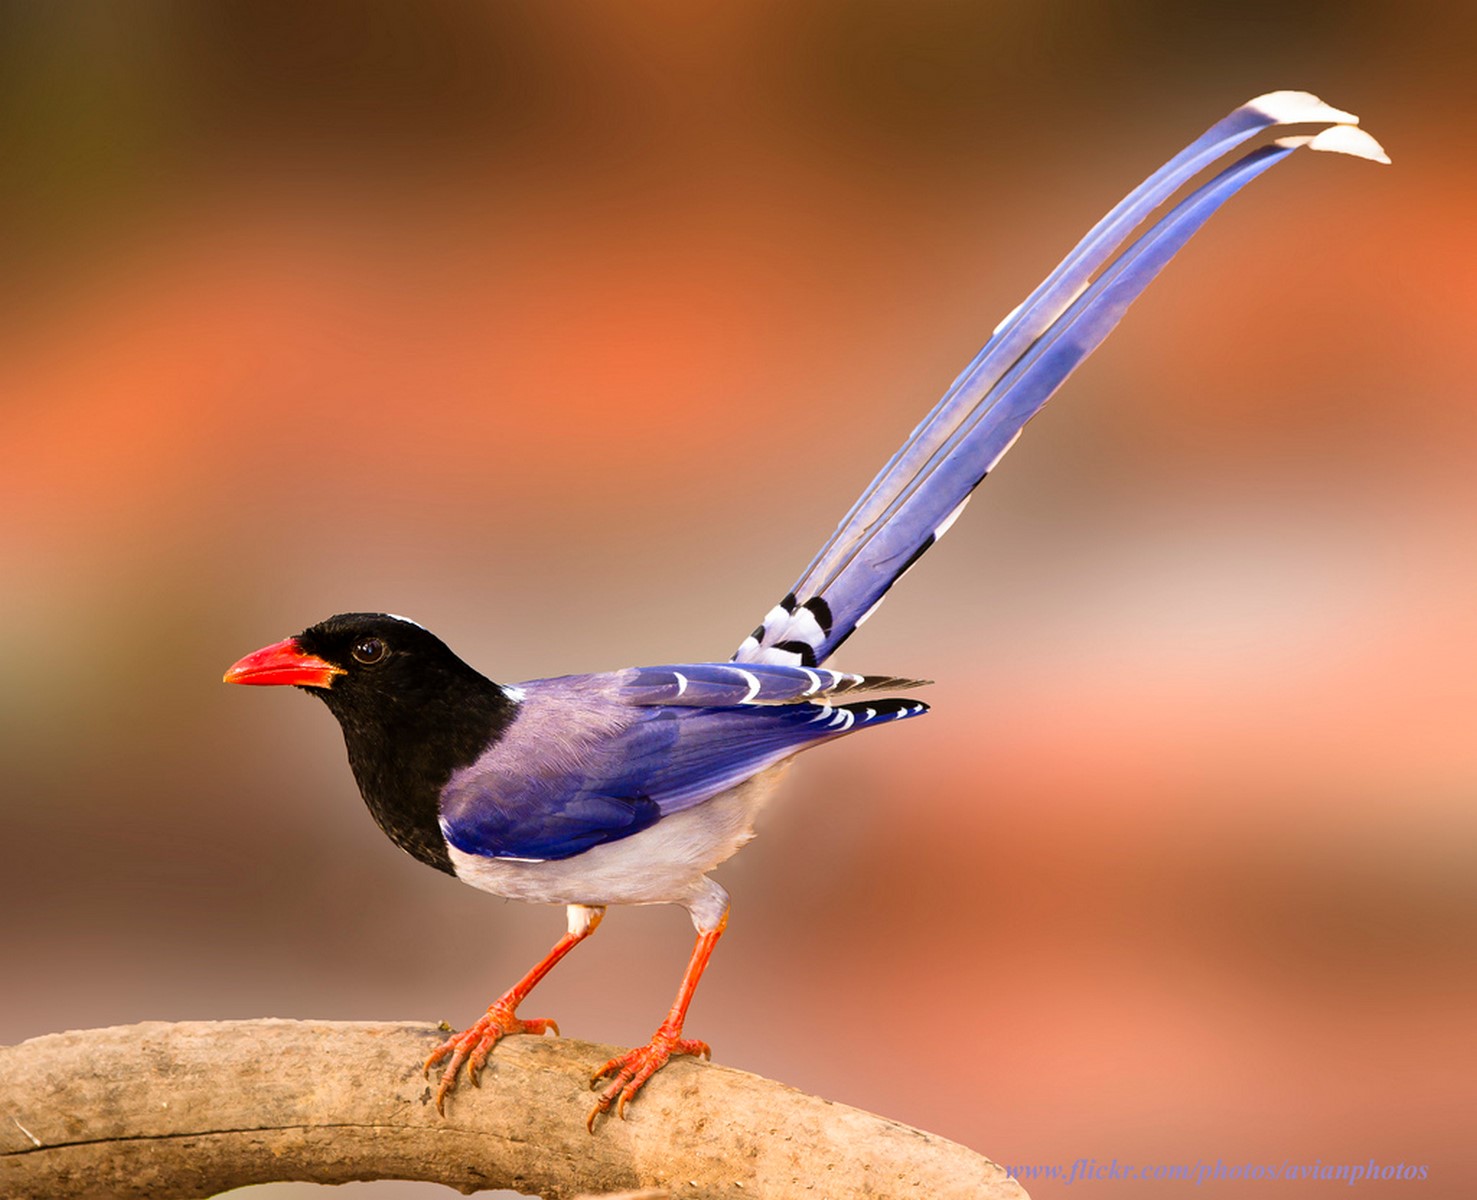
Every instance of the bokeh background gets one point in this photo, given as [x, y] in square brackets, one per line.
[570, 330]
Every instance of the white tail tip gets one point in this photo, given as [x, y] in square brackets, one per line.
[1300, 108]
[1338, 139]
[1345, 139]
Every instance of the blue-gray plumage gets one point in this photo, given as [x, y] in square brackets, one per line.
[644, 744]
[628, 787]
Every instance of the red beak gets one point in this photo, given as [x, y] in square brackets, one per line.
[283, 662]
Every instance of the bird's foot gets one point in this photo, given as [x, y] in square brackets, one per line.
[635, 1067]
[473, 1045]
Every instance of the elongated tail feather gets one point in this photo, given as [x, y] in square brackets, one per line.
[923, 488]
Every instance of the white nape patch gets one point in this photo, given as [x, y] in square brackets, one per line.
[1345, 139]
[681, 681]
[948, 522]
[1004, 450]
[516, 694]
[751, 679]
[1299, 108]
[406, 621]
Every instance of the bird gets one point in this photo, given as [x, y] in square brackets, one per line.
[629, 787]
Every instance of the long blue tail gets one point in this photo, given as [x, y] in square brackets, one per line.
[921, 491]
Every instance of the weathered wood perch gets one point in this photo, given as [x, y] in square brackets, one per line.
[167, 1111]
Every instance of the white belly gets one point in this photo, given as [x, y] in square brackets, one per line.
[664, 864]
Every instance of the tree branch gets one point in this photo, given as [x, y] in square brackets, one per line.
[172, 1111]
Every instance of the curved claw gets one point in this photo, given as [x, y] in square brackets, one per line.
[473, 1046]
[633, 1068]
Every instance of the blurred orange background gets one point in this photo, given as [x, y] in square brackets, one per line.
[570, 331]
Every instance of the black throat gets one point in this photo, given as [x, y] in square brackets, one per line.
[405, 745]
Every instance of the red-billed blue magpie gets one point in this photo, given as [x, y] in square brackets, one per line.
[629, 787]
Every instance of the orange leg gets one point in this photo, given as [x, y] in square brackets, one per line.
[473, 1045]
[635, 1067]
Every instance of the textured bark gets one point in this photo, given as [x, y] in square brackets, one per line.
[170, 1111]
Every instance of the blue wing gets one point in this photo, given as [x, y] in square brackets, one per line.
[591, 759]
[921, 491]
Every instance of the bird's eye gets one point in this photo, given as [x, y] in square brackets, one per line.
[369, 651]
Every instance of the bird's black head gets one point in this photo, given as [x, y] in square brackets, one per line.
[385, 668]
[367, 667]
[411, 712]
